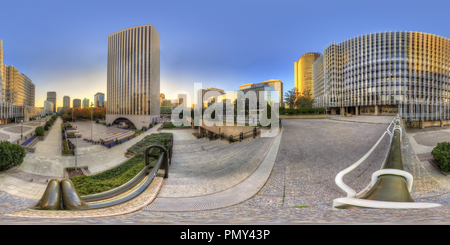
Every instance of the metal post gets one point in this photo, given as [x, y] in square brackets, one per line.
[76, 154]
[92, 104]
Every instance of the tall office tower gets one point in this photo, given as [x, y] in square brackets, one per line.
[276, 84]
[48, 107]
[51, 96]
[318, 83]
[2, 71]
[387, 73]
[17, 91]
[99, 100]
[85, 103]
[133, 76]
[304, 72]
[76, 103]
[66, 103]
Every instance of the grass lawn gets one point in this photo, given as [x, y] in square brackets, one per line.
[113, 178]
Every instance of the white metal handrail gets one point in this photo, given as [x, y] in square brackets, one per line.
[339, 177]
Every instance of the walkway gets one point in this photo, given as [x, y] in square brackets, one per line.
[29, 180]
[218, 174]
[301, 186]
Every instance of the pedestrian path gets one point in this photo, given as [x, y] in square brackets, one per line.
[48, 162]
[195, 195]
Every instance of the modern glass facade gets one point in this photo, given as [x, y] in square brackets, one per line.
[66, 103]
[85, 103]
[76, 103]
[133, 76]
[99, 100]
[17, 92]
[386, 73]
[51, 96]
[304, 72]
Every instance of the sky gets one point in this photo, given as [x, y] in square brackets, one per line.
[62, 45]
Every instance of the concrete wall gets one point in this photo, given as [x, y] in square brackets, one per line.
[227, 130]
[304, 116]
[138, 120]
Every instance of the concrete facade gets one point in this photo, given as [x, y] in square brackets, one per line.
[133, 75]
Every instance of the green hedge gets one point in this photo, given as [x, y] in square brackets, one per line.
[113, 178]
[441, 154]
[39, 131]
[10, 155]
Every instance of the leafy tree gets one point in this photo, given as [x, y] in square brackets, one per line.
[305, 100]
[10, 155]
[290, 97]
[39, 131]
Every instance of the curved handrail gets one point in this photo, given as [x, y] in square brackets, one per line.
[339, 177]
[136, 192]
[117, 191]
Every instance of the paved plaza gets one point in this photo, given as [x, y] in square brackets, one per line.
[287, 179]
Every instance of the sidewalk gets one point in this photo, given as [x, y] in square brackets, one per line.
[47, 162]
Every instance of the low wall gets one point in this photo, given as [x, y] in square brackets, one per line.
[319, 116]
[227, 130]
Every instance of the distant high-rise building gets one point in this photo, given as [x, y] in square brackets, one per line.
[133, 96]
[304, 72]
[16, 87]
[17, 92]
[99, 100]
[76, 103]
[385, 74]
[276, 84]
[51, 96]
[66, 103]
[48, 107]
[85, 103]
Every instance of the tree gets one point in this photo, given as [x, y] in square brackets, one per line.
[290, 97]
[10, 155]
[39, 131]
[305, 100]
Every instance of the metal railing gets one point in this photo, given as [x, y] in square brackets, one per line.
[390, 186]
[64, 190]
[339, 177]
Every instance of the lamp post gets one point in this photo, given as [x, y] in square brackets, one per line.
[92, 105]
[76, 152]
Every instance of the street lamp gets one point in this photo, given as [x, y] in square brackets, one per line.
[92, 105]
[76, 151]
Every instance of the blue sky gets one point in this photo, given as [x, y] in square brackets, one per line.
[62, 45]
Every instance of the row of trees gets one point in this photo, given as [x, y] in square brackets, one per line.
[299, 100]
[74, 113]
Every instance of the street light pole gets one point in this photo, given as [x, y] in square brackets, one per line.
[92, 104]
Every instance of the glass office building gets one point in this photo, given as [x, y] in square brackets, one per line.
[386, 73]
[99, 100]
[133, 76]
[304, 72]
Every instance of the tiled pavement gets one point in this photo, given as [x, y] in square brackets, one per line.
[47, 162]
[301, 188]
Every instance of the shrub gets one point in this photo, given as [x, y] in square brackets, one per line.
[441, 154]
[97, 121]
[10, 155]
[39, 131]
[48, 123]
[46, 128]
